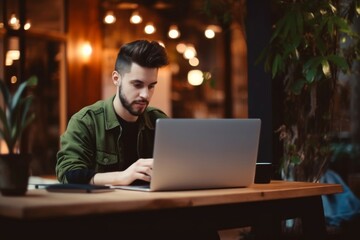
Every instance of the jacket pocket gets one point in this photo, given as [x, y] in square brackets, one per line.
[106, 161]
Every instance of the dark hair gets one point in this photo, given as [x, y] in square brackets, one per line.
[142, 52]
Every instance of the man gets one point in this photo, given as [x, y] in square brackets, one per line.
[111, 141]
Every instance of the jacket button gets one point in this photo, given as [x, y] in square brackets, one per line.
[106, 160]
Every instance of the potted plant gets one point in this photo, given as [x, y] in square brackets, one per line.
[312, 45]
[15, 116]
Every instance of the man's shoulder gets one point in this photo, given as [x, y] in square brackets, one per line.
[93, 109]
[151, 114]
[155, 112]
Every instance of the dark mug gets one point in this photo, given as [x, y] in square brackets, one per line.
[263, 172]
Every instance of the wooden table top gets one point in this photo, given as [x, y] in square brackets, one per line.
[39, 203]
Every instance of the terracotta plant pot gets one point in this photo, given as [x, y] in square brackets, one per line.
[14, 174]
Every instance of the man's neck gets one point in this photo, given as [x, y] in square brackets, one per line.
[122, 112]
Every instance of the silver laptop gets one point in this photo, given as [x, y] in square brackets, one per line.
[203, 154]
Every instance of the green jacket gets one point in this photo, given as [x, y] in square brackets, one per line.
[92, 139]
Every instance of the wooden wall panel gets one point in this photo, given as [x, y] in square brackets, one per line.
[84, 77]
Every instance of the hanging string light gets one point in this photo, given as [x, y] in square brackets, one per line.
[211, 30]
[190, 52]
[27, 25]
[135, 18]
[109, 18]
[14, 22]
[174, 32]
[149, 28]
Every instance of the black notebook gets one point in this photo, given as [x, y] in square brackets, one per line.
[74, 188]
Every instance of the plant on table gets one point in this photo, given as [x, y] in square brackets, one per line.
[15, 116]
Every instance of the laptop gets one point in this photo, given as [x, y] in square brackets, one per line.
[192, 154]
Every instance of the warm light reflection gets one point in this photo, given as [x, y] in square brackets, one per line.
[13, 54]
[13, 79]
[110, 17]
[149, 28]
[135, 18]
[174, 32]
[161, 43]
[86, 51]
[190, 52]
[194, 61]
[14, 22]
[27, 25]
[211, 30]
[195, 77]
[8, 61]
[181, 47]
[3, 147]
[209, 33]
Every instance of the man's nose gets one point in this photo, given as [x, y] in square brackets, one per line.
[144, 93]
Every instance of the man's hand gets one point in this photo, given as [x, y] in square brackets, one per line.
[139, 170]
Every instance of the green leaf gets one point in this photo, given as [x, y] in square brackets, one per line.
[313, 62]
[333, 8]
[326, 68]
[310, 75]
[32, 81]
[339, 61]
[297, 86]
[4, 132]
[341, 23]
[276, 65]
[321, 46]
[310, 68]
[5, 92]
[26, 106]
[299, 23]
[14, 115]
[295, 159]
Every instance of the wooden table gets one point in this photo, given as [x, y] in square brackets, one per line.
[122, 212]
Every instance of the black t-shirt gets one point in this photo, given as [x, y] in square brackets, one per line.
[129, 137]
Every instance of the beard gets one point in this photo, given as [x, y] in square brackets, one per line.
[129, 105]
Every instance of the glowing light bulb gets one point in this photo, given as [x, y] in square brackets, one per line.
[110, 18]
[135, 18]
[195, 77]
[149, 28]
[174, 32]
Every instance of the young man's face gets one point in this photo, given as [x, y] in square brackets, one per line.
[136, 88]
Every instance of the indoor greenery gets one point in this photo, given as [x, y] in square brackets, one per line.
[14, 113]
[313, 43]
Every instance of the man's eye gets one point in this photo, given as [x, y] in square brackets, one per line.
[137, 85]
[151, 86]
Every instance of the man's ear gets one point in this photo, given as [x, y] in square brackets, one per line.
[116, 78]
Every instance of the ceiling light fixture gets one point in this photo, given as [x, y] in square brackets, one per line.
[181, 47]
[14, 22]
[109, 18]
[174, 32]
[190, 52]
[149, 28]
[27, 25]
[211, 30]
[195, 77]
[135, 18]
[194, 61]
